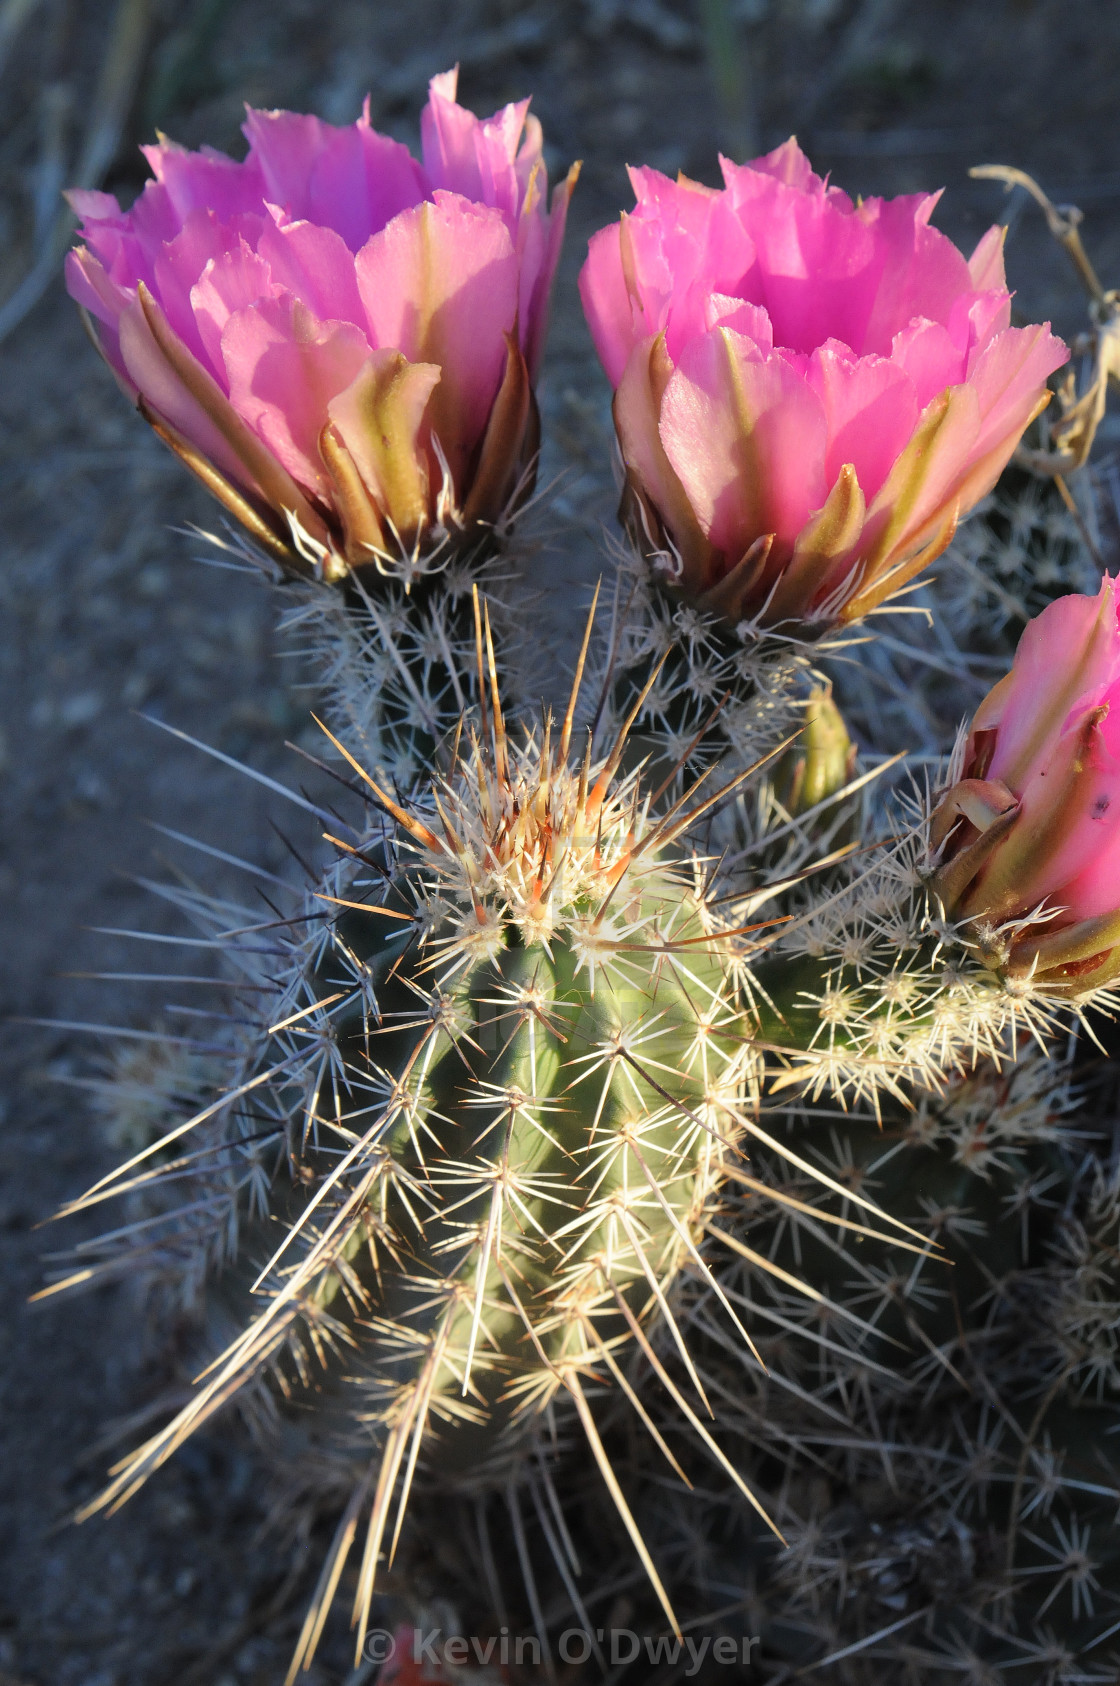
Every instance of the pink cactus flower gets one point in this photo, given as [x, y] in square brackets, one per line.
[340, 341]
[1030, 832]
[809, 392]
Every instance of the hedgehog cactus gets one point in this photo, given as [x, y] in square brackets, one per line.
[475, 1155]
[522, 1079]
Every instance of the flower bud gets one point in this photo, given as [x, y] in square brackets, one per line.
[1029, 834]
[809, 392]
[340, 341]
[821, 761]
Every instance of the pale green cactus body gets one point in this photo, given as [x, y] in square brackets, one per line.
[531, 1173]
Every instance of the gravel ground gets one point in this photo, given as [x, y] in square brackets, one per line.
[106, 615]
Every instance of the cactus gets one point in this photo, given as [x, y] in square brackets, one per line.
[529, 1106]
[509, 1076]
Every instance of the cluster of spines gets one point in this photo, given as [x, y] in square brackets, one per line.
[932, 1428]
[953, 1415]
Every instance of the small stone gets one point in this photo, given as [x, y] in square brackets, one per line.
[79, 709]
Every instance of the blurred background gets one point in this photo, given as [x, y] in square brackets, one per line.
[107, 614]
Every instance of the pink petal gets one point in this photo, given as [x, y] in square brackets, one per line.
[924, 482]
[1072, 805]
[92, 206]
[440, 285]
[178, 266]
[658, 268]
[317, 266]
[478, 159]
[205, 181]
[530, 155]
[985, 266]
[1008, 385]
[381, 418]
[350, 179]
[975, 321]
[531, 241]
[931, 358]
[535, 294]
[787, 164]
[747, 439]
[89, 285]
[286, 146]
[284, 367]
[720, 261]
[229, 283]
[919, 272]
[150, 374]
[750, 320]
[817, 265]
[636, 411]
[870, 410]
[124, 257]
[1095, 888]
[1009, 377]
[612, 312]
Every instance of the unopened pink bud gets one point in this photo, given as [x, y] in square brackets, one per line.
[1029, 836]
[809, 392]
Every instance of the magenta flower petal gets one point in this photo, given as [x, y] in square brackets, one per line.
[920, 271]
[114, 244]
[178, 266]
[1067, 662]
[350, 179]
[985, 266]
[284, 366]
[788, 164]
[1086, 831]
[235, 279]
[607, 303]
[440, 285]
[90, 286]
[746, 436]
[658, 268]
[975, 322]
[149, 373]
[317, 266]
[930, 357]
[637, 410]
[198, 181]
[816, 267]
[1008, 377]
[1093, 890]
[750, 320]
[477, 158]
[870, 410]
[918, 494]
